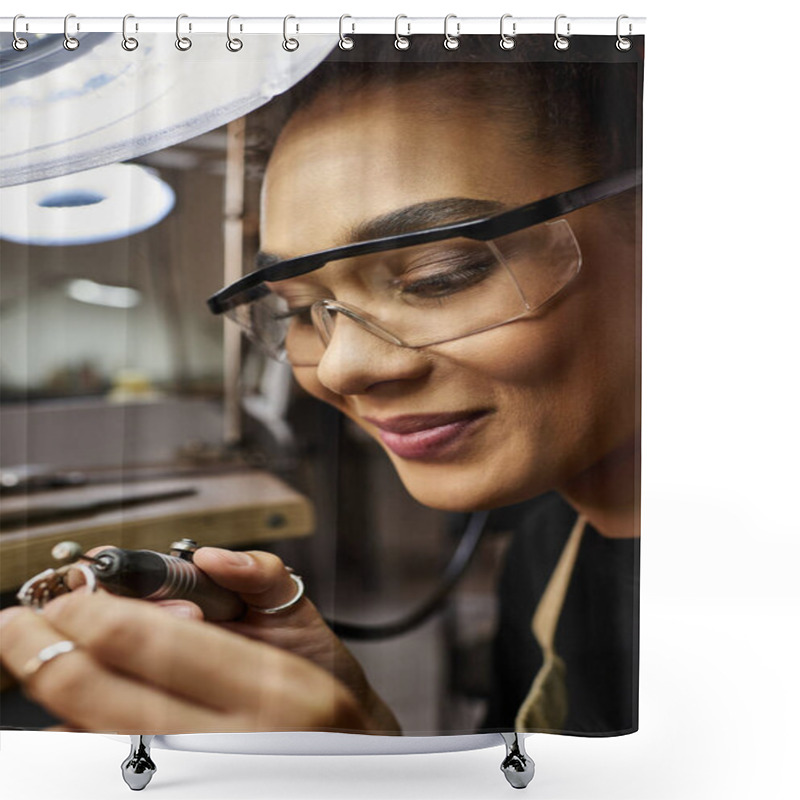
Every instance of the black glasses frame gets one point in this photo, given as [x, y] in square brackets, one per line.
[251, 286]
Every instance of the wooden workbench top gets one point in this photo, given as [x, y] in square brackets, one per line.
[228, 509]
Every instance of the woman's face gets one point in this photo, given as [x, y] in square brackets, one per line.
[493, 418]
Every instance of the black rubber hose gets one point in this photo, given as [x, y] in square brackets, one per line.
[454, 571]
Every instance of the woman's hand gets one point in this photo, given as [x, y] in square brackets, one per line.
[262, 581]
[139, 670]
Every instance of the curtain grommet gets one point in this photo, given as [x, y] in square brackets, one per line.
[70, 42]
[233, 44]
[129, 43]
[623, 44]
[18, 43]
[507, 41]
[183, 43]
[561, 42]
[289, 44]
[346, 42]
[451, 40]
[401, 42]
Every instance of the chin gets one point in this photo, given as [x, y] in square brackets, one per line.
[443, 490]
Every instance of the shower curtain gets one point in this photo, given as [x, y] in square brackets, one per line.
[424, 398]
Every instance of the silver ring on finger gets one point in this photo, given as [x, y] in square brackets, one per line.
[298, 582]
[33, 665]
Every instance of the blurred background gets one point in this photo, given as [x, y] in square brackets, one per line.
[112, 368]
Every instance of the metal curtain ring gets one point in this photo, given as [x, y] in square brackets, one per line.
[507, 42]
[561, 42]
[34, 664]
[129, 43]
[289, 44]
[298, 596]
[70, 42]
[19, 43]
[182, 42]
[623, 44]
[401, 42]
[233, 44]
[451, 42]
[345, 42]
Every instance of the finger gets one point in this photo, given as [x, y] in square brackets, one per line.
[199, 662]
[183, 609]
[258, 686]
[261, 579]
[75, 577]
[79, 690]
[178, 608]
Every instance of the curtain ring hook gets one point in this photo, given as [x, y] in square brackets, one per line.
[561, 42]
[450, 41]
[19, 43]
[289, 44]
[182, 42]
[401, 42]
[622, 43]
[345, 42]
[234, 45]
[70, 42]
[507, 41]
[129, 43]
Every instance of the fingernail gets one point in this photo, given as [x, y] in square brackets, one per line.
[232, 557]
[241, 559]
[179, 610]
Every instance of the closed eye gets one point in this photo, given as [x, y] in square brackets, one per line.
[302, 314]
[444, 282]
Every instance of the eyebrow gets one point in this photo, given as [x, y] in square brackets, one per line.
[409, 219]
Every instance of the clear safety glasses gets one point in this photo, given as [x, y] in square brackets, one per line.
[420, 289]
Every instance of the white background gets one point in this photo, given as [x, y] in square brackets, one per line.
[720, 606]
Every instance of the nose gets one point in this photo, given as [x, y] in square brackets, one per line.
[357, 360]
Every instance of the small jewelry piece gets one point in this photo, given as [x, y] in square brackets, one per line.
[42, 588]
[286, 606]
[46, 654]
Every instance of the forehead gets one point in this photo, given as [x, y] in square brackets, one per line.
[351, 156]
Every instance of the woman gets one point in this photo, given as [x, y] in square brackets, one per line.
[493, 364]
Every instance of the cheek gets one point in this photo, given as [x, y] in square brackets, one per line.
[521, 363]
[564, 387]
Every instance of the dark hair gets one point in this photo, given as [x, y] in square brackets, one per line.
[581, 106]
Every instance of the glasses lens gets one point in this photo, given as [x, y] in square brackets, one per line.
[423, 295]
[542, 259]
[285, 332]
[460, 287]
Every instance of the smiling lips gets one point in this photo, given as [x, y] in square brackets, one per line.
[425, 436]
